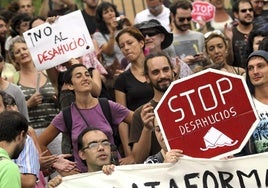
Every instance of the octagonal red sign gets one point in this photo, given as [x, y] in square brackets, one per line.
[203, 10]
[209, 114]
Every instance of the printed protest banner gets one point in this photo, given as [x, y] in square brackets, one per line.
[203, 10]
[209, 114]
[198, 173]
[56, 43]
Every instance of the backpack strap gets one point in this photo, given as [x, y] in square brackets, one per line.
[67, 117]
[105, 107]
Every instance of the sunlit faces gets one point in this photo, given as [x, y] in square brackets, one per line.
[153, 40]
[21, 53]
[130, 47]
[258, 71]
[108, 15]
[3, 29]
[95, 157]
[256, 42]
[81, 80]
[160, 73]
[217, 50]
[26, 6]
[186, 23]
[245, 14]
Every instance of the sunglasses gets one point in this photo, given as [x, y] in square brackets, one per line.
[215, 32]
[150, 34]
[182, 19]
[245, 10]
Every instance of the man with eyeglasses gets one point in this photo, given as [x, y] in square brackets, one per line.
[243, 12]
[155, 10]
[189, 44]
[94, 149]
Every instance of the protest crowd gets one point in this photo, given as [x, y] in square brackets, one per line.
[95, 111]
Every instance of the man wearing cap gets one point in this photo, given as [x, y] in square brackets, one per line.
[155, 10]
[257, 80]
[189, 45]
[158, 39]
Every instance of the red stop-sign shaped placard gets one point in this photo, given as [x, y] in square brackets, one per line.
[203, 10]
[210, 114]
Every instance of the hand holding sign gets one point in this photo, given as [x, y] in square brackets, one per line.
[209, 114]
[54, 44]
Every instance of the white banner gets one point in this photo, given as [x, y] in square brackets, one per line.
[243, 172]
[56, 43]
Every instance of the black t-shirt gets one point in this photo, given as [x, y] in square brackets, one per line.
[90, 22]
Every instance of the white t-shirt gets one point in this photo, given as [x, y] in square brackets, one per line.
[260, 134]
[163, 17]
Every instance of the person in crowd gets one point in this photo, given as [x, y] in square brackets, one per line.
[51, 8]
[26, 6]
[131, 88]
[155, 10]
[188, 44]
[158, 71]
[254, 39]
[217, 50]
[243, 12]
[222, 16]
[13, 90]
[37, 89]
[163, 156]
[92, 143]
[157, 39]
[18, 25]
[264, 44]
[3, 35]
[89, 14]
[256, 77]
[13, 131]
[85, 111]
[111, 56]
[257, 7]
[36, 21]
[28, 160]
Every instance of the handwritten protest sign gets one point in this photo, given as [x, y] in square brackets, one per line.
[56, 43]
[183, 174]
[209, 114]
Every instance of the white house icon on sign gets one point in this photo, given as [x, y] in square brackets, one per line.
[215, 138]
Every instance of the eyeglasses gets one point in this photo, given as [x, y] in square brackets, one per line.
[150, 34]
[182, 19]
[95, 144]
[215, 32]
[245, 10]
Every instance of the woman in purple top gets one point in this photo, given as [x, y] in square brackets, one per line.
[86, 112]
